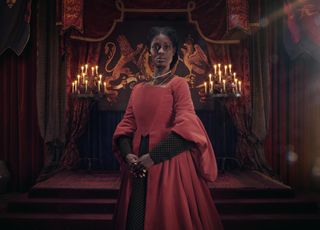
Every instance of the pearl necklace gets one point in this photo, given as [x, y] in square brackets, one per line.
[162, 81]
[156, 77]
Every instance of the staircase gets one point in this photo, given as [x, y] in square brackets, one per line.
[75, 206]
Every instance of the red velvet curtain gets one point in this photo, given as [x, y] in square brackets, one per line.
[79, 115]
[292, 144]
[21, 146]
[77, 111]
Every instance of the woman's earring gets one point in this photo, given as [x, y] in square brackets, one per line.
[149, 58]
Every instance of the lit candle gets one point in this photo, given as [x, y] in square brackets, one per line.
[100, 77]
[224, 85]
[234, 76]
[105, 86]
[219, 65]
[210, 75]
[72, 89]
[236, 84]
[225, 70]
[239, 86]
[86, 65]
[75, 86]
[211, 86]
[230, 69]
[82, 68]
[96, 70]
[215, 69]
[220, 73]
[92, 71]
[86, 85]
[99, 83]
[205, 88]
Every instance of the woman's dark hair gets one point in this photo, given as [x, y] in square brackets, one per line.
[171, 34]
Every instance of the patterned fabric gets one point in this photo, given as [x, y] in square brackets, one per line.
[136, 211]
[72, 14]
[238, 16]
[169, 147]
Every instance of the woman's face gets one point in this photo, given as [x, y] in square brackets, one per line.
[162, 51]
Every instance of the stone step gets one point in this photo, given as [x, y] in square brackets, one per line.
[270, 221]
[225, 206]
[72, 221]
[217, 193]
[51, 221]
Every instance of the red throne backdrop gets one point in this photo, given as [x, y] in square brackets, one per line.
[273, 117]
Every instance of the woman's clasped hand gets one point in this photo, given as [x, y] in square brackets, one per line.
[138, 166]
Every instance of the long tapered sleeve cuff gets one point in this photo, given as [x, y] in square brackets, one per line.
[169, 147]
[125, 145]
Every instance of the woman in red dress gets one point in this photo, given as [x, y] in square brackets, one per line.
[165, 155]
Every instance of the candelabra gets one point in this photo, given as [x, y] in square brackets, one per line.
[86, 85]
[222, 83]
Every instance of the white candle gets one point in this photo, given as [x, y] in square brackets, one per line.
[105, 86]
[215, 69]
[78, 77]
[219, 65]
[224, 85]
[86, 65]
[220, 73]
[75, 86]
[236, 84]
[205, 88]
[234, 76]
[72, 89]
[210, 75]
[230, 69]
[86, 85]
[225, 70]
[239, 86]
[96, 70]
[99, 83]
[100, 77]
[83, 78]
[82, 68]
[92, 71]
[211, 86]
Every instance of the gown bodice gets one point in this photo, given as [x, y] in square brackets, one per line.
[152, 108]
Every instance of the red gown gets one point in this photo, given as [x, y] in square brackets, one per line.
[178, 196]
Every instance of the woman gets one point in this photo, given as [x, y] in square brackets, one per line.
[165, 154]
